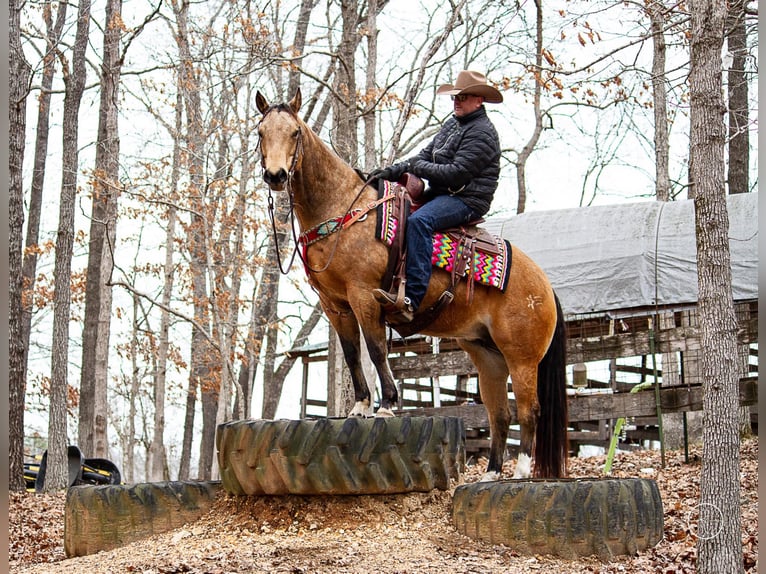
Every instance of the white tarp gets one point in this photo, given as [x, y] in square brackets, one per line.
[630, 255]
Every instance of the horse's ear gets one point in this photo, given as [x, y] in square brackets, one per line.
[261, 103]
[295, 103]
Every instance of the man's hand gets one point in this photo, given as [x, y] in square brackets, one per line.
[391, 173]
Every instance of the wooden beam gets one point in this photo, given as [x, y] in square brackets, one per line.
[604, 406]
[579, 350]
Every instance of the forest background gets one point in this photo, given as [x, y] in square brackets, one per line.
[153, 305]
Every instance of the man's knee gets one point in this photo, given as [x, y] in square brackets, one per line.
[419, 223]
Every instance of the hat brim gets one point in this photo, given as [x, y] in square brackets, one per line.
[490, 94]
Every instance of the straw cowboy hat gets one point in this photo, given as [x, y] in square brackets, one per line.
[472, 83]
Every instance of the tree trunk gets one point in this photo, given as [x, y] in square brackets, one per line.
[277, 381]
[249, 365]
[345, 140]
[346, 144]
[157, 455]
[672, 423]
[656, 11]
[34, 211]
[371, 95]
[130, 438]
[529, 147]
[92, 427]
[277, 248]
[340, 397]
[184, 466]
[201, 375]
[719, 544]
[18, 90]
[739, 141]
[56, 475]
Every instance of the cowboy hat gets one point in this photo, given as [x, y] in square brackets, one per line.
[472, 83]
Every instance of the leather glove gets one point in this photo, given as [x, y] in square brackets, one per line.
[392, 172]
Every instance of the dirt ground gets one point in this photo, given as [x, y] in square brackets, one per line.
[410, 533]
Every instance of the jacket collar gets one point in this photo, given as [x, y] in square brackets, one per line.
[482, 111]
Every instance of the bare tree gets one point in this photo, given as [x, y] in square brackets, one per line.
[738, 109]
[719, 544]
[74, 79]
[656, 12]
[371, 90]
[157, 453]
[529, 147]
[92, 425]
[20, 72]
[201, 375]
[34, 210]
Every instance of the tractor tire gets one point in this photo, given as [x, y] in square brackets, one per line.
[104, 517]
[567, 518]
[340, 456]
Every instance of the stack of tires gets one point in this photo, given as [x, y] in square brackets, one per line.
[356, 456]
[341, 456]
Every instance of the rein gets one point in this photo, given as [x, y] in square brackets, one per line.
[291, 212]
[348, 218]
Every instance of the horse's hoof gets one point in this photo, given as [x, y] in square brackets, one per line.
[385, 413]
[490, 476]
[361, 409]
[523, 467]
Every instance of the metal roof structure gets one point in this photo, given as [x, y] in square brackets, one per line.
[630, 256]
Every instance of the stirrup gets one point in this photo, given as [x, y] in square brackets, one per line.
[398, 308]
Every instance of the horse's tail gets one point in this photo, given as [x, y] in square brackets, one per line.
[551, 440]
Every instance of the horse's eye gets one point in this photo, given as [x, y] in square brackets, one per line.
[295, 134]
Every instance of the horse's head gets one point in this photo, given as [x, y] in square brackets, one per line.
[281, 140]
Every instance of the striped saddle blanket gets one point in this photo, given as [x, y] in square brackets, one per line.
[468, 251]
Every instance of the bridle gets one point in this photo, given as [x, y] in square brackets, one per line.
[297, 153]
[288, 185]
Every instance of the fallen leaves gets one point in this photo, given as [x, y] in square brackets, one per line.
[410, 533]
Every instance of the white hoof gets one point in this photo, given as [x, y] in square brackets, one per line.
[386, 413]
[523, 467]
[490, 476]
[361, 409]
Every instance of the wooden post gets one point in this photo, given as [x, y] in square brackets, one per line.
[340, 398]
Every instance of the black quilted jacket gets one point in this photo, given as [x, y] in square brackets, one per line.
[463, 159]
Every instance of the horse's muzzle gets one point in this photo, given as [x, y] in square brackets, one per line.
[276, 180]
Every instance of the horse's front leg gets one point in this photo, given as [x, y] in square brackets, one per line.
[347, 327]
[375, 337]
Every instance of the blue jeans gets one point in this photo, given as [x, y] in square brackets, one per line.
[442, 212]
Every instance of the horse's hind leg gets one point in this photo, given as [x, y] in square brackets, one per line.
[524, 382]
[493, 386]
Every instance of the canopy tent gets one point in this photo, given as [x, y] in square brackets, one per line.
[603, 259]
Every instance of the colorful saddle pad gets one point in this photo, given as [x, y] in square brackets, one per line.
[489, 267]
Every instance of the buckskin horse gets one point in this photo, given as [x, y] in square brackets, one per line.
[518, 332]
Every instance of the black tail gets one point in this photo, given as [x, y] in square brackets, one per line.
[551, 440]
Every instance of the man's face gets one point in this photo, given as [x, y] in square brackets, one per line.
[464, 104]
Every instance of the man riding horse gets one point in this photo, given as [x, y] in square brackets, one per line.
[513, 328]
[462, 166]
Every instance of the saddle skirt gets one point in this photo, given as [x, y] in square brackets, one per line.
[466, 252]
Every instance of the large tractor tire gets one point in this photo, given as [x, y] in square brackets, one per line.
[104, 517]
[341, 456]
[567, 518]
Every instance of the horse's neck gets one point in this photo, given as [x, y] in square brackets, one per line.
[324, 186]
